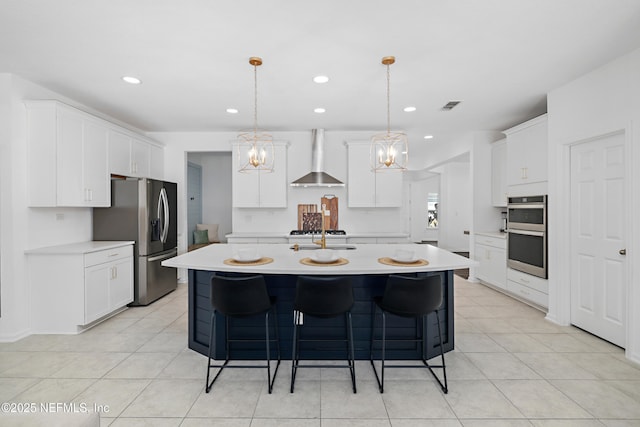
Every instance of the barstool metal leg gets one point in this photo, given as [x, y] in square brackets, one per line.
[373, 324]
[384, 347]
[351, 350]
[444, 385]
[212, 336]
[294, 355]
[445, 388]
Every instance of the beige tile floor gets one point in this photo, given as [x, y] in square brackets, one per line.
[510, 368]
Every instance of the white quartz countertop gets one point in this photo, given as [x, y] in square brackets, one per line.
[362, 260]
[79, 248]
[286, 234]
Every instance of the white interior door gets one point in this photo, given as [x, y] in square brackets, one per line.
[598, 219]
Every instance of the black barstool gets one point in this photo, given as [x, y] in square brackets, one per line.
[409, 297]
[238, 297]
[323, 297]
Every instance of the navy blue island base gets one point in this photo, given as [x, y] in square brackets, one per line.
[365, 287]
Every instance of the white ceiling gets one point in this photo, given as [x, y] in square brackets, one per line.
[499, 57]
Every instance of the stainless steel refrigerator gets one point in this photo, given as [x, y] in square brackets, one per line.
[144, 210]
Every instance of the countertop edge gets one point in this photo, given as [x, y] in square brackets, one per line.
[79, 247]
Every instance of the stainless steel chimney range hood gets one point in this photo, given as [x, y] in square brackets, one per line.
[317, 177]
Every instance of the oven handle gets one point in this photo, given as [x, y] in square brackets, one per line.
[526, 232]
[524, 206]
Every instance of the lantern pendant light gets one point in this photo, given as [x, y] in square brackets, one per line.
[389, 150]
[255, 148]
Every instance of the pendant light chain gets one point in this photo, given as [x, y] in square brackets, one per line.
[255, 99]
[388, 100]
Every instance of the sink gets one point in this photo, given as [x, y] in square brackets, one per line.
[313, 247]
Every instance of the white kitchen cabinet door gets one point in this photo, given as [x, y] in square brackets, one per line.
[527, 152]
[499, 173]
[259, 189]
[70, 189]
[274, 185]
[493, 265]
[96, 292]
[156, 162]
[96, 164]
[82, 177]
[388, 189]
[140, 157]
[369, 189]
[121, 283]
[119, 153]
[361, 184]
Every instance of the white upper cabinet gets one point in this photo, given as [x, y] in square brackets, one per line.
[262, 189]
[71, 154]
[130, 155]
[527, 156]
[67, 157]
[369, 189]
[499, 173]
[119, 153]
[140, 157]
[156, 163]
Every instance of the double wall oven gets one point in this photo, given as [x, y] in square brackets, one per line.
[527, 235]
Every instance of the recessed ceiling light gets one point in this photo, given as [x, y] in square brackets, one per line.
[232, 111]
[428, 137]
[319, 110]
[132, 80]
[321, 79]
[409, 109]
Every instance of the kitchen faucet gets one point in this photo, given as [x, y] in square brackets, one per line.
[323, 239]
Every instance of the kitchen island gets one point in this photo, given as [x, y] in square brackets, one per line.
[369, 276]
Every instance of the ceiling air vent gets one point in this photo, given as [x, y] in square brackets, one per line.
[450, 105]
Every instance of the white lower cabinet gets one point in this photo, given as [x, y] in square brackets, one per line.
[107, 282]
[530, 288]
[491, 253]
[75, 285]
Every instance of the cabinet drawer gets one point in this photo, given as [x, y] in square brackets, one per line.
[108, 255]
[524, 279]
[527, 293]
[496, 242]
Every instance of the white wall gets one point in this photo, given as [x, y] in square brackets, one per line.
[24, 228]
[603, 101]
[298, 164]
[454, 209]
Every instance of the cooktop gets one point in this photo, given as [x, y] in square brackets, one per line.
[305, 232]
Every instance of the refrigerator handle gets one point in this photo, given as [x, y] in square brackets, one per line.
[164, 256]
[165, 219]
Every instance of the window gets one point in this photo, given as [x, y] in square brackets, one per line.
[432, 210]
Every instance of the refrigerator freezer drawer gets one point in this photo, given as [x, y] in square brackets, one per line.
[154, 280]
